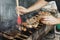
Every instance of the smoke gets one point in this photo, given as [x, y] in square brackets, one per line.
[8, 15]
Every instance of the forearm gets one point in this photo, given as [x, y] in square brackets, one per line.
[37, 5]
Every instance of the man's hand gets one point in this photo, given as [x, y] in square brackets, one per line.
[50, 20]
[21, 10]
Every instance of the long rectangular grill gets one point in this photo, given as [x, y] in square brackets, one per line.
[31, 33]
[28, 35]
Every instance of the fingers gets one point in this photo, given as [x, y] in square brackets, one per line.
[19, 13]
[20, 7]
[45, 22]
[48, 17]
[21, 10]
[45, 18]
[49, 20]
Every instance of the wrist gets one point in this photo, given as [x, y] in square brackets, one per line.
[28, 10]
[58, 20]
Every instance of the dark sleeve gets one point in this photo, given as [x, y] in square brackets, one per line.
[49, 0]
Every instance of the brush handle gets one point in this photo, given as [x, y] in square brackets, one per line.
[17, 3]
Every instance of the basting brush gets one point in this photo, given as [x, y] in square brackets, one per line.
[19, 20]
